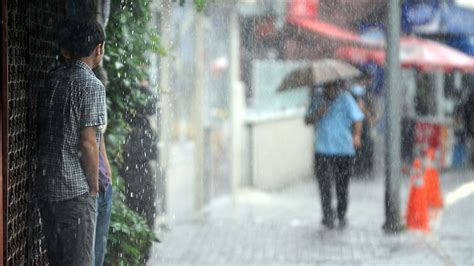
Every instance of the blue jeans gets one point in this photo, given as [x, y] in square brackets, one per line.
[104, 210]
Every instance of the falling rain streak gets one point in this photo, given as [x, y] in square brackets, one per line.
[258, 132]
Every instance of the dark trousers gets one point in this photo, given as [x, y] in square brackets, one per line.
[337, 169]
[69, 230]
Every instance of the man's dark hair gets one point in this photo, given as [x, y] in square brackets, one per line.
[80, 37]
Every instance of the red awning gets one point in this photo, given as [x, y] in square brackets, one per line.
[303, 8]
[358, 55]
[325, 29]
[414, 52]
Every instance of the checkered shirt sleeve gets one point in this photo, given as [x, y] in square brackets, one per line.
[92, 107]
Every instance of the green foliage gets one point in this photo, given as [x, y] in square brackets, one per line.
[130, 232]
[200, 4]
[130, 41]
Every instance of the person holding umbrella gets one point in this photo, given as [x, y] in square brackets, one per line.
[337, 122]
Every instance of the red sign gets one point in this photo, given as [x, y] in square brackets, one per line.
[427, 135]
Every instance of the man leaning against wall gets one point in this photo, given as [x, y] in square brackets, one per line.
[71, 112]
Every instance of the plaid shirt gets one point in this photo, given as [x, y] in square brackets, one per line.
[72, 98]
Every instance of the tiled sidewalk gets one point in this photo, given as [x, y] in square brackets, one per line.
[283, 228]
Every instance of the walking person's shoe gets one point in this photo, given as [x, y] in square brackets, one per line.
[328, 224]
[342, 223]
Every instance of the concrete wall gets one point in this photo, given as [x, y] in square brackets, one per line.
[279, 147]
[281, 150]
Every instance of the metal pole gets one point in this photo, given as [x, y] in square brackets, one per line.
[392, 121]
[439, 94]
[197, 111]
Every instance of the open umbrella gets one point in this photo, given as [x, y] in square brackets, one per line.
[318, 73]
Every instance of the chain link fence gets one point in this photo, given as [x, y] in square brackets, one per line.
[30, 55]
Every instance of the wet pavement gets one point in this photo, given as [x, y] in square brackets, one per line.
[283, 228]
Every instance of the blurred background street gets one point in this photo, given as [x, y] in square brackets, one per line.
[282, 227]
[239, 185]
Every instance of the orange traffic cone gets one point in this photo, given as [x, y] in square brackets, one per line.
[417, 209]
[433, 190]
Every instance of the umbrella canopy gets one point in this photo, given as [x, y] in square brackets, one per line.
[414, 52]
[318, 73]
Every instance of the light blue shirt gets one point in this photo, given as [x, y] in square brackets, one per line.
[333, 132]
